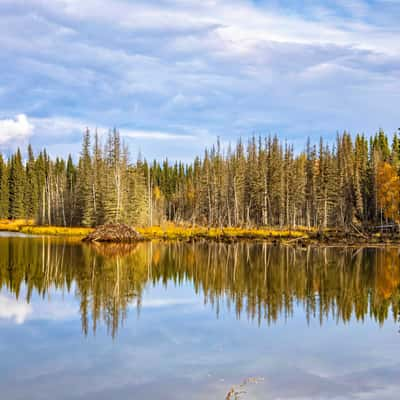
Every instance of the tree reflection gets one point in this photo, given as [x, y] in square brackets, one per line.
[260, 281]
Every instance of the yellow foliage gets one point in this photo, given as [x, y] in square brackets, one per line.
[28, 227]
[14, 225]
[55, 230]
[156, 193]
[191, 193]
[389, 191]
[387, 274]
[168, 231]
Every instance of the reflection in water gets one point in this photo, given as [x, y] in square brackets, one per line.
[263, 282]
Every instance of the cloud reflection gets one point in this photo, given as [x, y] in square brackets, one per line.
[19, 311]
[11, 308]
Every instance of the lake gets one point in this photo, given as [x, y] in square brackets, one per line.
[197, 321]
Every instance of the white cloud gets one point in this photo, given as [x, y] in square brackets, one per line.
[159, 303]
[150, 67]
[20, 310]
[59, 127]
[142, 134]
[187, 102]
[55, 310]
[15, 131]
[14, 310]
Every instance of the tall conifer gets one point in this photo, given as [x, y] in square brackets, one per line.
[16, 182]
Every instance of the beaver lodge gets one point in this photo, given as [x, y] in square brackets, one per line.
[113, 233]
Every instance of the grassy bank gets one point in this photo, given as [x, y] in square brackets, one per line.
[28, 227]
[167, 232]
[172, 232]
[300, 236]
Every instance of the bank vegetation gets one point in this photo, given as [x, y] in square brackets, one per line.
[258, 189]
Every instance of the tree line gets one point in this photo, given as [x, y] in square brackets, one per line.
[102, 187]
[263, 182]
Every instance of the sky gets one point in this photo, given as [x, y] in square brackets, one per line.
[173, 75]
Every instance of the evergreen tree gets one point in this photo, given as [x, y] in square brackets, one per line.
[16, 183]
[98, 182]
[70, 193]
[31, 187]
[41, 168]
[85, 201]
[264, 183]
[4, 189]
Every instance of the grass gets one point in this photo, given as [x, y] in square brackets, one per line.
[55, 230]
[166, 232]
[14, 225]
[174, 232]
[170, 231]
[28, 227]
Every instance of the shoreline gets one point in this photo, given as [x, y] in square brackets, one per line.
[289, 237]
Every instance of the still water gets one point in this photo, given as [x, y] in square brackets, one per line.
[197, 321]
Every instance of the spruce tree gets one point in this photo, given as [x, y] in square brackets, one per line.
[16, 184]
[4, 189]
[98, 182]
[31, 187]
[40, 168]
[85, 184]
[70, 193]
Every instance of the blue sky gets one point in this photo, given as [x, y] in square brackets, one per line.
[173, 75]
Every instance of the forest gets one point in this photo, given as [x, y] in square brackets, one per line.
[263, 182]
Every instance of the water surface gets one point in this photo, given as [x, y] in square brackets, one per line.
[195, 321]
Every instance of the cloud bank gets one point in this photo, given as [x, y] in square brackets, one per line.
[15, 131]
[166, 69]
